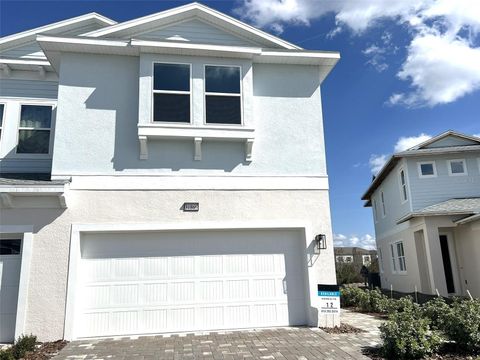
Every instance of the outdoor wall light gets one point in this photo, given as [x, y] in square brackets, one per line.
[321, 242]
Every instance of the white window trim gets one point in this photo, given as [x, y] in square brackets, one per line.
[449, 167]
[153, 92]
[3, 119]
[369, 261]
[375, 210]
[51, 129]
[419, 168]
[205, 93]
[380, 259]
[395, 263]
[384, 207]
[402, 199]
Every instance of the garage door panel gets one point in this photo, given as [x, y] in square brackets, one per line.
[178, 282]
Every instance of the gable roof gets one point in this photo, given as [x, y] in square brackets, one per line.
[421, 150]
[23, 37]
[443, 136]
[191, 10]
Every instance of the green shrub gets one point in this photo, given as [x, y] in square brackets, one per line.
[407, 335]
[436, 310]
[462, 323]
[350, 296]
[6, 354]
[347, 274]
[24, 344]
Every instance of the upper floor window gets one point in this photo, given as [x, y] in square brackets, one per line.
[171, 92]
[223, 95]
[457, 167]
[34, 129]
[2, 109]
[384, 209]
[403, 185]
[375, 211]
[427, 169]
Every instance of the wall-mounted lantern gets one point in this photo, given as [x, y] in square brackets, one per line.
[321, 242]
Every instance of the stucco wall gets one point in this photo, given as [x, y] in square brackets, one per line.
[98, 113]
[467, 239]
[52, 227]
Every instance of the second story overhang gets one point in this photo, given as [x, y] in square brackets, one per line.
[53, 46]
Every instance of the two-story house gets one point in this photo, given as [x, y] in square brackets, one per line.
[354, 255]
[426, 208]
[162, 174]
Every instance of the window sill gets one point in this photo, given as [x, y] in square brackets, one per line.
[197, 134]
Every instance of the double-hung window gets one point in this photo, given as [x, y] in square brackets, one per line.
[34, 129]
[375, 211]
[457, 167]
[223, 98]
[384, 209]
[171, 93]
[2, 109]
[380, 259]
[403, 186]
[394, 262]
[402, 266]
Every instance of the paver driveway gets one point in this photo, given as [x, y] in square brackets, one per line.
[281, 343]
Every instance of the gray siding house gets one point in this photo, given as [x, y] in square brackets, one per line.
[154, 177]
[426, 209]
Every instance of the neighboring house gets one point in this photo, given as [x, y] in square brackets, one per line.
[426, 207]
[162, 174]
[354, 255]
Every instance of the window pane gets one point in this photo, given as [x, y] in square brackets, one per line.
[223, 109]
[2, 107]
[10, 247]
[457, 167]
[33, 141]
[402, 177]
[171, 108]
[174, 77]
[427, 169]
[36, 116]
[222, 79]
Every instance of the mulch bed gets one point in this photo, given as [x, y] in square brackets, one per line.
[447, 352]
[343, 329]
[46, 350]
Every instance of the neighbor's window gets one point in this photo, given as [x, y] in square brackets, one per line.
[10, 246]
[366, 259]
[403, 185]
[171, 93]
[457, 167]
[223, 95]
[401, 257]
[348, 259]
[34, 130]
[382, 197]
[2, 108]
[427, 169]
[380, 260]
[392, 254]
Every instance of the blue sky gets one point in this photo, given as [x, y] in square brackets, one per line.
[409, 69]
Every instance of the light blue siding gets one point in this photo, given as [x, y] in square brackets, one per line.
[429, 191]
[451, 141]
[195, 31]
[395, 208]
[28, 88]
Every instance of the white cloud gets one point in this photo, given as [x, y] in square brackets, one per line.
[406, 142]
[476, 135]
[443, 61]
[376, 162]
[366, 241]
[439, 69]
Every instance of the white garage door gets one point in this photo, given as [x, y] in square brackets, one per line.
[10, 261]
[187, 281]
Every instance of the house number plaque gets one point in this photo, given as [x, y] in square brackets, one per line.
[191, 206]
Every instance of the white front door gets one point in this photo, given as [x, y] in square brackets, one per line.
[10, 262]
[186, 281]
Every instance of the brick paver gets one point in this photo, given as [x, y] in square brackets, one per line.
[278, 343]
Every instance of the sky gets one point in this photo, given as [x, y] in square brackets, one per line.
[409, 70]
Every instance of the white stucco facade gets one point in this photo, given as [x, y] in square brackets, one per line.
[113, 172]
